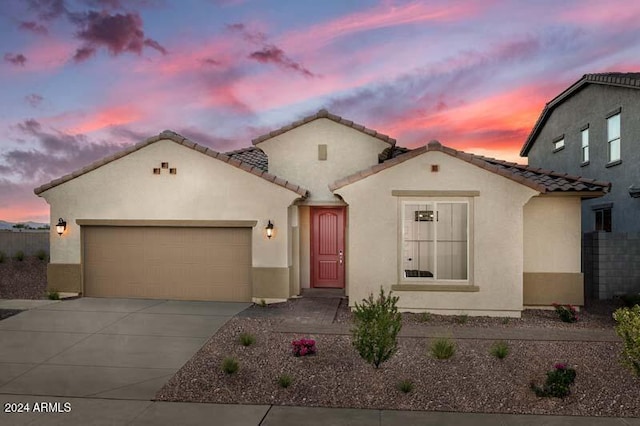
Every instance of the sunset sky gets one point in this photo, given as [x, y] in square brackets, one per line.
[82, 79]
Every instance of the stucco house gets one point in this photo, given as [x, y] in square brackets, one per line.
[320, 203]
[593, 128]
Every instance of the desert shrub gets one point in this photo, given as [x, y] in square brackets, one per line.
[566, 313]
[505, 320]
[230, 366]
[303, 347]
[558, 383]
[630, 300]
[285, 380]
[443, 348]
[377, 323]
[424, 317]
[246, 339]
[628, 328]
[53, 294]
[263, 303]
[41, 254]
[499, 349]
[2, 256]
[462, 319]
[405, 386]
[19, 256]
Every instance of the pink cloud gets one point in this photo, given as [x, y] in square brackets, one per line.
[382, 16]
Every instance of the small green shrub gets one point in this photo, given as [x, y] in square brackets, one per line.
[246, 339]
[377, 323]
[230, 366]
[567, 313]
[19, 256]
[499, 349]
[2, 257]
[53, 294]
[405, 386]
[424, 317]
[505, 320]
[558, 383]
[630, 300]
[628, 328]
[263, 303]
[41, 254]
[285, 380]
[462, 319]
[443, 348]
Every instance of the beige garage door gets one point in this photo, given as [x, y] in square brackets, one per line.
[167, 262]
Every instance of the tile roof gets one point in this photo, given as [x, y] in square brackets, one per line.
[544, 181]
[257, 158]
[251, 155]
[391, 152]
[629, 80]
[323, 113]
[169, 135]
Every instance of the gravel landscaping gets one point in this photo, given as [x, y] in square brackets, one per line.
[23, 280]
[471, 381]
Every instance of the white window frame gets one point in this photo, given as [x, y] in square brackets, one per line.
[616, 140]
[584, 151]
[558, 145]
[434, 201]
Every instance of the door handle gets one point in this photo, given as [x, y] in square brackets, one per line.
[340, 258]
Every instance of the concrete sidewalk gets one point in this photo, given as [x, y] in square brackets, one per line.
[94, 411]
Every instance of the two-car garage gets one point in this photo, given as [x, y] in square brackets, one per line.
[155, 261]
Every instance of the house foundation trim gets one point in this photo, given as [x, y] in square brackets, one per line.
[271, 283]
[545, 288]
[64, 277]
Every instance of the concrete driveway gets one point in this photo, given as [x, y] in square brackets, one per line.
[104, 348]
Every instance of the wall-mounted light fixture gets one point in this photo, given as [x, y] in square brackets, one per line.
[269, 229]
[61, 226]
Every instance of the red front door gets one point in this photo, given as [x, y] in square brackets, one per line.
[327, 247]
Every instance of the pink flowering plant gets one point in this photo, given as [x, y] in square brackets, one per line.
[303, 347]
[567, 313]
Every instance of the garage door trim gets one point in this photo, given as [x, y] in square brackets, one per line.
[170, 223]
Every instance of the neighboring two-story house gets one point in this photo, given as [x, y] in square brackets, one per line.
[593, 129]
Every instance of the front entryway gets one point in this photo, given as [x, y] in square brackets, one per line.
[327, 247]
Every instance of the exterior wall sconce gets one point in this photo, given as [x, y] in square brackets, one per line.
[61, 226]
[634, 191]
[269, 229]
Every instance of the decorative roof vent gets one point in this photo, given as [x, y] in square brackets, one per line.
[634, 191]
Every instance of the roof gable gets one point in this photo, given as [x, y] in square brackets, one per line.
[627, 80]
[544, 181]
[172, 136]
[323, 113]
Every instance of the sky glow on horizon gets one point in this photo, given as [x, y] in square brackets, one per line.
[83, 79]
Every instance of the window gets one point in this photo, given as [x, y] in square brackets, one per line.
[585, 145]
[435, 243]
[603, 219]
[613, 136]
[558, 145]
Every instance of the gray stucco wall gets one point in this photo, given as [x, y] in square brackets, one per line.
[591, 106]
[611, 263]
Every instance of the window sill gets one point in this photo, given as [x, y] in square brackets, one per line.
[558, 149]
[586, 163]
[465, 288]
[613, 163]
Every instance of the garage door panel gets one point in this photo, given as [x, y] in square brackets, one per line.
[168, 263]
